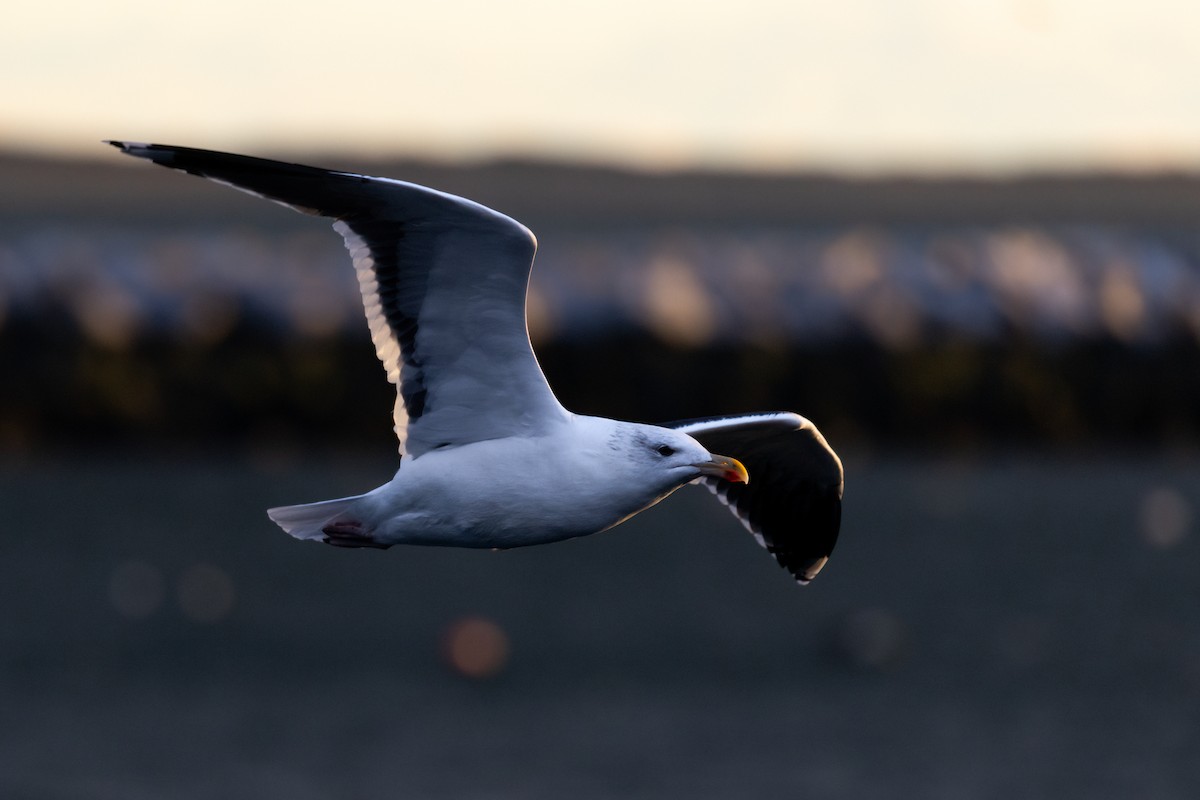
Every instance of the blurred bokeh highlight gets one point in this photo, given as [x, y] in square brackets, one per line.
[961, 238]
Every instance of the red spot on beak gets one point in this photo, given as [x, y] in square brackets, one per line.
[725, 468]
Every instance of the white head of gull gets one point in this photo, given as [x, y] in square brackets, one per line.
[489, 457]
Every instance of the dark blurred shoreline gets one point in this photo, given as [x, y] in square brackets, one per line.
[550, 193]
[141, 308]
[257, 387]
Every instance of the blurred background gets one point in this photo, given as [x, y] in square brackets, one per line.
[960, 237]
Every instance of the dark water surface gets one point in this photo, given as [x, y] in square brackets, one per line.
[1013, 627]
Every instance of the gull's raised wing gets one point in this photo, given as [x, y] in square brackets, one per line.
[793, 502]
[443, 281]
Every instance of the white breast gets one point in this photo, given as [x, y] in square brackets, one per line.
[512, 492]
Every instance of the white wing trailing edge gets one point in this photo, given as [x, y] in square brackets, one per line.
[443, 281]
[793, 502]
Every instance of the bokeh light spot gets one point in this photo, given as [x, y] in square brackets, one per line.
[676, 304]
[1166, 517]
[475, 647]
[854, 262]
[110, 316]
[1122, 305]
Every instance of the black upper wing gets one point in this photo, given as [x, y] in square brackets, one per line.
[793, 502]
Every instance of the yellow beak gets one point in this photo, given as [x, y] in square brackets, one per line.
[724, 467]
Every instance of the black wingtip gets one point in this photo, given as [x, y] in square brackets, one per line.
[154, 152]
[310, 190]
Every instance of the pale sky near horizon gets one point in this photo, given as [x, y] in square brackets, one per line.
[865, 85]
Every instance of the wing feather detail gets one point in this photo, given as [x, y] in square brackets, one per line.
[387, 344]
[443, 282]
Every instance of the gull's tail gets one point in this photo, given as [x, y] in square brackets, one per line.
[330, 521]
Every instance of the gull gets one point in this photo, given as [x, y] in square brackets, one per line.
[488, 456]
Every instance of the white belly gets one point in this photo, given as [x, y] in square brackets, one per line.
[506, 493]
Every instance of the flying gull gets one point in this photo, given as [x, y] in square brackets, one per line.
[488, 456]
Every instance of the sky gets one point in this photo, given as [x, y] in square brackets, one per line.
[854, 85]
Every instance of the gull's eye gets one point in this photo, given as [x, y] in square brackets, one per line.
[665, 450]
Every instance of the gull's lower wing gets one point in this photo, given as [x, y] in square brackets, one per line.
[443, 281]
[793, 502]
